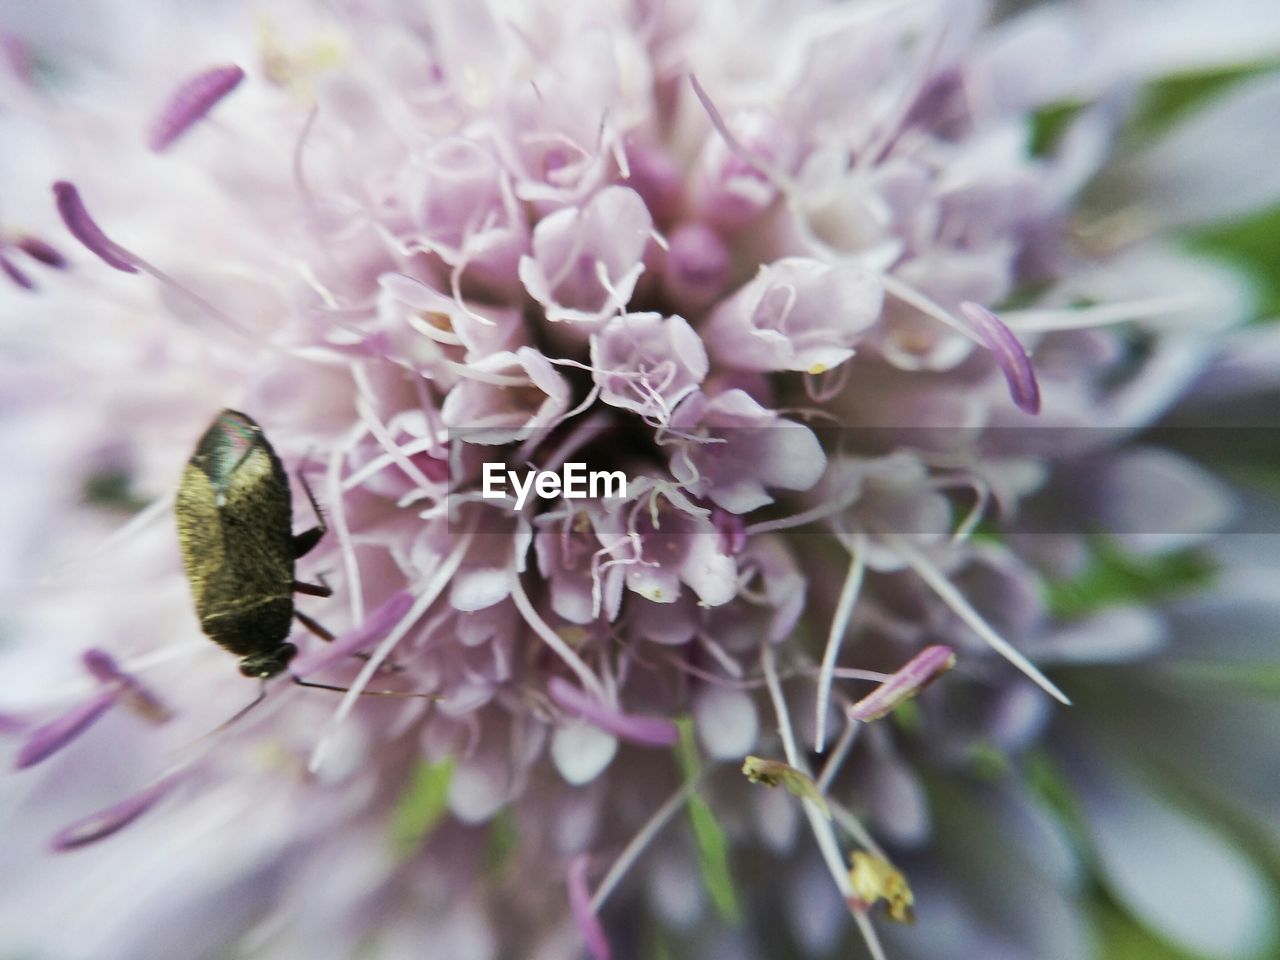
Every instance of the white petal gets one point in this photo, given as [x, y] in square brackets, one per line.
[477, 791]
[726, 721]
[1165, 499]
[1115, 635]
[1177, 874]
[675, 891]
[1220, 163]
[581, 751]
[1155, 37]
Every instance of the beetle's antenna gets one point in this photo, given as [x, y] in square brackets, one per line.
[262, 695]
[364, 693]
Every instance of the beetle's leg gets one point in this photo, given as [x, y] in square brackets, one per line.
[326, 635]
[321, 589]
[306, 540]
[320, 631]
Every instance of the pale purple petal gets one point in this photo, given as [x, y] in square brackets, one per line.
[655, 176]
[647, 363]
[727, 723]
[646, 731]
[734, 450]
[491, 413]
[796, 314]
[573, 247]
[696, 268]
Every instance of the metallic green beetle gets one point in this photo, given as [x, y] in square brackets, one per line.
[235, 525]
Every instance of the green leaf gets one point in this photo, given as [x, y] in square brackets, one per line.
[502, 842]
[907, 717]
[1248, 244]
[421, 806]
[1115, 576]
[1049, 785]
[987, 761]
[1166, 101]
[1049, 123]
[713, 845]
[1121, 937]
[1261, 679]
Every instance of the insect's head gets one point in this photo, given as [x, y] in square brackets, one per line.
[228, 443]
[269, 664]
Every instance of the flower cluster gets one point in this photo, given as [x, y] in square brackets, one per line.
[803, 273]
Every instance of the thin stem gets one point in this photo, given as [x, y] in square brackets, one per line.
[554, 640]
[839, 627]
[434, 587]
[838, 756]
[632, 851]
[820, 825]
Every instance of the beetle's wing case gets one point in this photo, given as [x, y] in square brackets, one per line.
[235, 518]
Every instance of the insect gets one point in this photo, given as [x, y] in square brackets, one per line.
[235, 526]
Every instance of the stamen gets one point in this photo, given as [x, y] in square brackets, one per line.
[381, 434]
[104, 823]
[135, 696]
[82, 226]
[954, 599]
[51, 737]
[839, 627]
[648, 731]
[875, 878]
[913, 297]
[45, 253]
[742, 153]
[72, 210]
[583, 913]
[821, 827]
[775, 773]
[13, 273]
[916, 674]
[1015, 362]
[338, 518]
[191, 102]
[384, 460]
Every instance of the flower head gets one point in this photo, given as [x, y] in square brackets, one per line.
[805, 278]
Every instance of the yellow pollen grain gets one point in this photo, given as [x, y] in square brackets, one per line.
[298, 68]
[441, 321]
